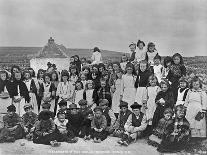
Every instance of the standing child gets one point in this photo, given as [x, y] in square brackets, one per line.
[29, 119]
[167, 64]
[151, 53]
[132, 47]
[96, 56]
[96, 79]
[182, 91]
[83, 79]
[63, 106]
[32, 89]
[78, 93]
[158, 68]
[123, 63]
[128, 91]
[40, 80]
[196, 103]
[73, 74]
[140, 51]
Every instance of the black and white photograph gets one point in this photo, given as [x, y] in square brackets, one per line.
[116, 77]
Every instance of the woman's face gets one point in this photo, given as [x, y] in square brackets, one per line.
[41, 74]
[101, 69]
[90, 86]
[65, 78]
[132, 48]
[164, 87]
[54, 76]
[47, 79]
[183, 84]
[143, 67]
[3, 76]
[95, 69]
[176, 60]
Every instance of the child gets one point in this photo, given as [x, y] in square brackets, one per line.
[128, 91]
[177, 70]
[158, 68]
[159, 131]
[19, 93]
[40, 80]
[196, 104]
[46, 107]
[75, 120]
[47, 88]
[104, 92]
[63, 106]
[78, 93]
[65, 88]
[96, 56]
[123, 63]
[122, 118]
[87, 115]
[101, 67]
[90, 95]
[99, 125]
[167, 64]
[182, 91]
[96, 79]
[134, 126]
[132, 47]
[32, 89]
[77, 63]
[140, 52]
[12, 122]
[177, 134]
[45, 130]
[83, 79]
[151, 53]
[109, 114]
[5, 99]
[141, 82]
[73, 74]
[164, 99]
[116, 93]
[86, 71]
[29, 119]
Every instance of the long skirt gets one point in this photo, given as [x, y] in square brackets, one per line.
[129, 96]
[33, 101]
[20, 107]
[4, 103]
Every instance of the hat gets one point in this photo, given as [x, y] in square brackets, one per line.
[82, 102]
[98, 108]
[139, 42]
[123, 104]
[46, 105]
[11, 108]
[103, 102]
[168, 110]
[73, 106]
[49, 63]
[44, 115]
[136, 106]
[62, 102]
[27, 105]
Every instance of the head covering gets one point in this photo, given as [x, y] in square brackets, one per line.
[73, 106]
[98, 108]
[82, 102]
[103, 102]
[123, 104]
[139, 42]
[44, 115]
[46, 105]
[136, 106]
[11, 108]
[168, 110]
[151, 44]
[27, 105]
[62, 103]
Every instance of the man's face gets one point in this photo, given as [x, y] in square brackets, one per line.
[136, 111]
[124, 109]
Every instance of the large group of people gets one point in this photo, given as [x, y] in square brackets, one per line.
[139, 97]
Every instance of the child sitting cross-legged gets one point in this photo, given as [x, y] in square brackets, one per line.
[29, 119]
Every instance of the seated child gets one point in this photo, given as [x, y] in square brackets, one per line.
[12, 122]
[45, 130]
[75, 120]
[99, 125]
[109, 114]
[87, 115]
[46, 107]
[63, 106]
[135, 125]
[177, 133]
[61, 124]
[29, 119]
[122, 118]
[159, 131]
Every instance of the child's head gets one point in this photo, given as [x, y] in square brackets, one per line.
[196, 83]
[82, 76]
[86, 70]
[28, 108]
[82, 103]
[130, 68]
[124, 58]
[31, 70]
[96, 49]
[94, 75]
[11, 110]
[180, 111]
[101, 67]
[110, 68]
[64, 76]
[143, 65]
[83, 61]
[40, 73]
[54, 76]
[140, 44]
[98, 111]
[136, 108]
[119, 74]
[164, 85]
[49, 64]
[3, 75]
[73, 109]
[27, 74]
[78, 85]
[47, 77]
[103, 82]
[177, 59]
[132, 47]
[151, 47]
[168, 113]
[72, 59]
[153, 80]
[167, 62]
[183, 82]
[157, 60]
[90, 114]
[89, 84]
[63, 105]
[14, 69]
[61, 116]
[46, 106]
[103, 103]
[18, 75]
[44, 116]
[105, 75]
[76, 58]
[73, 70]
[123, 106]
[116, 66]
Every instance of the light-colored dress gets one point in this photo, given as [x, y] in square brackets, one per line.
[89, 98]
[116, 96]
[96, 57]
[158, 72]
[5, 102]
[196, 100]
[140, 55]
[78, 95]
[123, 65]
[127, 89]
[151, 57]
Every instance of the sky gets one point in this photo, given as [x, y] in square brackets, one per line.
[173, 25]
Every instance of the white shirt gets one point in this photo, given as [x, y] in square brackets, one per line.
[96, 57]
[140, 55]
